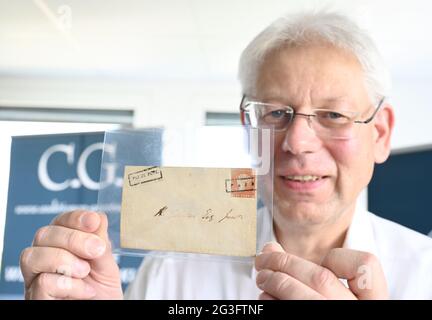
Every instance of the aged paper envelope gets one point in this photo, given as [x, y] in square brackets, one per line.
[200, 210]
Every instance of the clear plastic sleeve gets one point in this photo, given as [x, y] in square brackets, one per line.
[204, 147]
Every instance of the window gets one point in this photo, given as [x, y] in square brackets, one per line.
[222, 119]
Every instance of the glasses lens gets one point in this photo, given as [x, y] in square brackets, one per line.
[270, 115]
[334, 124]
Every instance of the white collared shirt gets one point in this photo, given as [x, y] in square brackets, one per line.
[405, 255]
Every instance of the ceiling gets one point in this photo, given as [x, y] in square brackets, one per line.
[183, 39]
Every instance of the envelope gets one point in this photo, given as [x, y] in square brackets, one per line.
[197, 210]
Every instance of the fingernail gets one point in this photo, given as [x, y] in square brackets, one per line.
[95, 247]
[262, 277]
[89, 290]
[271, 247]
[265, 245]
[81, 268]
[261, 260]
[87, 221]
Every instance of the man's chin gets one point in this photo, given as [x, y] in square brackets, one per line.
[302, 214]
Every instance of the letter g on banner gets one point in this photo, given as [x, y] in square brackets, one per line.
[44, 178]
[82, 170]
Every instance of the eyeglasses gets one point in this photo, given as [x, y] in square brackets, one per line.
[327, 123]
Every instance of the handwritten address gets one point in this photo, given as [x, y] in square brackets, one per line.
[208, 216]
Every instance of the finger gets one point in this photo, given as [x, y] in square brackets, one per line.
[37, 260]
[362, 270]
[55, 286]
[82, 244]
[265, 296]
[83, 220]
[272, 247]
[282, 286]
[104, 267]
[318, 278]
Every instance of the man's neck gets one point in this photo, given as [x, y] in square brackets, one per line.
[313, 242]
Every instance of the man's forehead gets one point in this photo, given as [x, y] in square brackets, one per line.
[299, 90]
[309, 61]
[275, 96]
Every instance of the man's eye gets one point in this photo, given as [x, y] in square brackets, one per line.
[332, 115]
[277, 113]
[335, 115]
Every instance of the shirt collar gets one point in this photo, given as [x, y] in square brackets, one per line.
[360, 235]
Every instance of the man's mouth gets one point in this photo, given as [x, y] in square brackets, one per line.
[304, 182]
[305, 178]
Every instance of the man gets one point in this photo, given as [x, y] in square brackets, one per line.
[318, 79]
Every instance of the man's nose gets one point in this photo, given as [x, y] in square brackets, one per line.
[300, 137]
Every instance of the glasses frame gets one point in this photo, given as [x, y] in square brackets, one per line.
[243, 110]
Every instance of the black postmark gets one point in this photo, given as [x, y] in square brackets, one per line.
[240, 184]
[144, 176]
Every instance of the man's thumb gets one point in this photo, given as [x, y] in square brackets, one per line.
[105, 264]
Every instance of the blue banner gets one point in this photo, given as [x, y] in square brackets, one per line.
[49, 174]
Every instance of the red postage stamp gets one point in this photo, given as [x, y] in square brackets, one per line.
[242, 183]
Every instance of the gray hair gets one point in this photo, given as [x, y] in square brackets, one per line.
[312, 27]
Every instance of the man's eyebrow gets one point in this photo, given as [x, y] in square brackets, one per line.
[278, 98]
[269, 98]
[333, 99]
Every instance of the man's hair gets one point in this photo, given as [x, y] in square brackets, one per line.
[310, 28]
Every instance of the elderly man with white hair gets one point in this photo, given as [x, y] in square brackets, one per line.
[319, 81]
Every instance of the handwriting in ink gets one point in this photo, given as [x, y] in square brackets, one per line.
[208, 216]
[228, 216]
[165, 208]
[159, 213]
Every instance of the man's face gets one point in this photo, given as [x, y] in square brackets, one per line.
[308, 78]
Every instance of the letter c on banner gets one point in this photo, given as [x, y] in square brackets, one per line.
[44, 178]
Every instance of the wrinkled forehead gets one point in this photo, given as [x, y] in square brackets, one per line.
[309, 72]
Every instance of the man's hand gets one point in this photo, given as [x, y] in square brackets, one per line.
[284, 276]
[71, 259]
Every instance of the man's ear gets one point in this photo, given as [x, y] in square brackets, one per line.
[384, 124]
